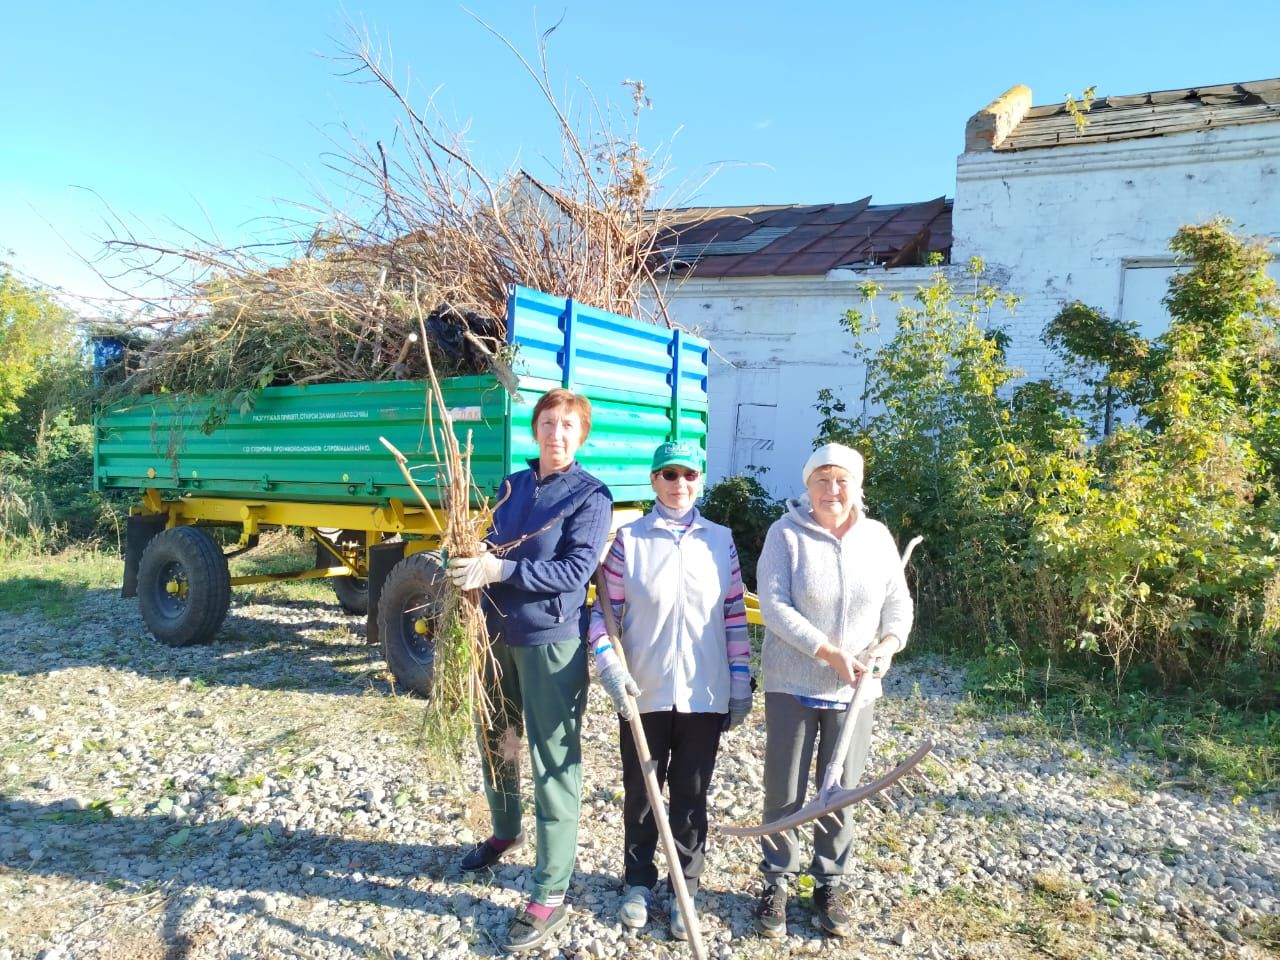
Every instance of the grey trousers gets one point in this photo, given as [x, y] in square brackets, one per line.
[791, 732]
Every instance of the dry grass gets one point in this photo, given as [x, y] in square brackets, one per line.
[1012, 923]
[464, 664]
[1266, 932]
[428, 255]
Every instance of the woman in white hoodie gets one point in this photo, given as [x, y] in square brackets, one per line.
[834, 602]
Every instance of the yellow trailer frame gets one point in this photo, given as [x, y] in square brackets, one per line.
[251, 516]
[355, 547]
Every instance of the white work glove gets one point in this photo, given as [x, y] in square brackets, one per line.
[618, 682]
[739, 707]
[473, 573]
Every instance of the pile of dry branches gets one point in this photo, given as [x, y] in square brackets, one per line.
[463, 659]
[436, 236]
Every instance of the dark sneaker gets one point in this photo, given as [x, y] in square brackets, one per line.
[488, 852]
[527, 932]
[832, 906]
[771, 911]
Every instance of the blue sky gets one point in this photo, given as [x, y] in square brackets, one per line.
[215, 118]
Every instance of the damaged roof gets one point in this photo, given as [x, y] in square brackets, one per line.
[1148, 115]
[796, 240]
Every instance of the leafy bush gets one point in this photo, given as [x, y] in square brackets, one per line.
[32, 329]
[1154, 546]
[941, 457]
[46, 497]
[46, 442]
[1169, 548]
[744, 506]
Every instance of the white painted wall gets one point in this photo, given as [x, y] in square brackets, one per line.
[1089, 223]
[777, 341]
[1093, 222]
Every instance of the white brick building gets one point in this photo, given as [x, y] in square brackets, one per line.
[1057, 213]
[768, 288]
[1061, 214]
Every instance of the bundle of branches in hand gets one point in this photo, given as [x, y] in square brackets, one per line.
[463, 658]
[437, 238]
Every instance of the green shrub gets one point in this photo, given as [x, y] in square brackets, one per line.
[1155, 546]
[947, 453]
[46, 441]
[1169, 549]
[744, 506]
[33, 328]
[47, 497]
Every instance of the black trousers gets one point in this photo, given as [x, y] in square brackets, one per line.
[683, 747]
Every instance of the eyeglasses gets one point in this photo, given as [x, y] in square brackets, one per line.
[671, 475]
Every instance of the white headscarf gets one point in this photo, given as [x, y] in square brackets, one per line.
[837, 455]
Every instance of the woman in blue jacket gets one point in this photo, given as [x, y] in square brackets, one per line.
[556, 517]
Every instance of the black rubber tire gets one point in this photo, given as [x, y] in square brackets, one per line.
[414, 589]
[352, 594]
[191, 558]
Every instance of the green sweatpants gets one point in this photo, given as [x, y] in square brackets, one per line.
[543, 690]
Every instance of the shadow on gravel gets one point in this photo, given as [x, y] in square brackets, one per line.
[246, 870]
[137, 854]
[298, 645]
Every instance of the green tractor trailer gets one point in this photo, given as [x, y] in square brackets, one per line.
[311, 457]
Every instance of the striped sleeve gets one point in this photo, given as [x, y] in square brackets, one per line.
[737, 643]
[601, 644]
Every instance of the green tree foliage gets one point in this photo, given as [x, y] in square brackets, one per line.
[1169, 548]
[1156, 545]
[33, 330]
[46, 442]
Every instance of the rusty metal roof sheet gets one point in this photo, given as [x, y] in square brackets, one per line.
[795, 240]
[1153, 114]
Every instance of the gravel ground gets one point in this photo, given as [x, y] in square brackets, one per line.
[266, 796]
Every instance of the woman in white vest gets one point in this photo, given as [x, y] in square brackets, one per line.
[834, 601]
[676, 589]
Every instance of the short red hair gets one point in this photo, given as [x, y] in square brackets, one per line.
[560, 397]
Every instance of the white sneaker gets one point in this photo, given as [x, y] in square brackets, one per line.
[634, 909]
[679, 930]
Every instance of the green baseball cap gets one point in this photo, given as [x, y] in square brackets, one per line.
[677, 453]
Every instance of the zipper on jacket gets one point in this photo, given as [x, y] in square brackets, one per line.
[680, 638]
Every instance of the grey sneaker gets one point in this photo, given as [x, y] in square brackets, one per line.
[633, 912]
[771, 911]
[679, 929]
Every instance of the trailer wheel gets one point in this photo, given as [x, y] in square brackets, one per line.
[184, 588]
[409, 608]
[352, 593]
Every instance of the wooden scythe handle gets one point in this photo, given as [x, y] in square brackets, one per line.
[648, 767]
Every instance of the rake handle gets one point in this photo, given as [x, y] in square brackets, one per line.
[835, 766]
[861, 693]
[649, 769]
